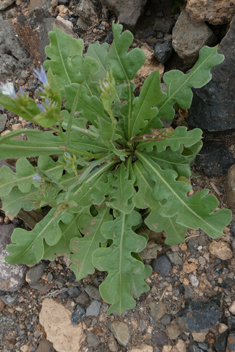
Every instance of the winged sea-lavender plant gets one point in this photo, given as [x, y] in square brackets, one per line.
[115, 162]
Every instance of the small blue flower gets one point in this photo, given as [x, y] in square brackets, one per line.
[41, 107]
[8, 89]
[41, 75]
[36, 177]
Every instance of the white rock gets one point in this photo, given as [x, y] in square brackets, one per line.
[232, 308]
[222, 328]
[142, 348]
[193, 279]
[58, 327]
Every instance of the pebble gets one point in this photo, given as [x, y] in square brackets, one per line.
[157, 310]
[166, 319]
[174, 258]
[203, 345]
[232, 308]
[159, 338]
[121, 332]
[93, 309]
[92, 340]
[9, 299]
[221, 342]
[231, 342]
[34, 274]
[45, 346]
[192, 245]
[163, 51]
[93, 292]
[162, 265]
[198, 316]
[193, 279]
[193, 347]
[112, 344]
[77, 315]
[73, 291]
[221, 250]
[173, 330]
[83, 298]
[202, 261]
[199, 336]
[189, 267]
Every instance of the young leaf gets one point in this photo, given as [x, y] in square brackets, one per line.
[28, 246]
[124, 271]
[69, 230]
[180, 137]
[83, 248]
[175, 233]
[195, 211]
[65, 59]
[179, 84]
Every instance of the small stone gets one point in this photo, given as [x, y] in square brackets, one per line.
[93, 292]
[92, 339]
[73, 291]
[193, 347]
[181, 347]
[162, 264]
[159, 338]
[193, 279]
[173, 330]
[167, 348]
[24, 348]
[77, 315]
[142, 348]
[163, 51]
[192, 245]
[198, 316]
[222, 328]
[174, 258]
[34, 274]
[221, 250]
[204, 346]
[83, 298]
[232, 308]
[93, 309]
[3, 120]
[202, 261]
[189, 267]
[231, 322]
[45, 346]
[231, 342]
[121, 332]
[221, 342]
[157, 310]
[9, 298]
[166, 319]
[112, 344]
[199, 336]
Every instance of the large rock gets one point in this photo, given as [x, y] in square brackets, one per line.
[56, 322]
[198, 316]
[128, 11]
[189, 36]
[212, 107]
[215, 12]
[13, 57]
[12, 277]
[87, 10]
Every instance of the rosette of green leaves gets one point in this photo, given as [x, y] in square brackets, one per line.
[114, 161]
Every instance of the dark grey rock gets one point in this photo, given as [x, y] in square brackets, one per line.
[93, 292]
[3, 120]
[193, 347]
[44, 40]
[162, 264]
[13, 54]
[76, 316]
[166, 319]
[231, 342]
[159, 338]
[192, 245]
[164, 25]
[157, 310]
[83, 298]
[221, 342]
[9, 298]
[127, 11]
[73, 291]
[92, 339]
[148, 32]
[35, 273]
[198, 316]
[214, 160]
[12, 277]
[212, 107]
[93, 309]
[163, 51]
[203, 345]
[63, 2]
[231, 322]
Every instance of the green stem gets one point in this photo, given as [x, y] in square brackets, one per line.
[72, 113]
